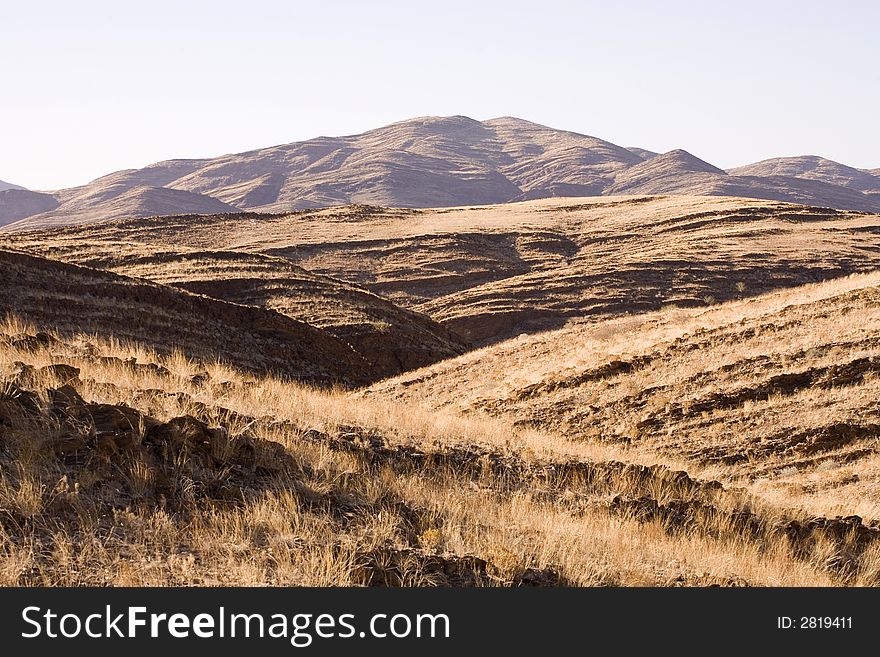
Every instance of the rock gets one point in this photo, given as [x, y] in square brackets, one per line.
[30, 377]
[25, 342]
[199, 380]
[132, 365]
[17, 404]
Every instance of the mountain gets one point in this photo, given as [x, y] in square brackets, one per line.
[813, 167]
[437, 162]
[5, 185]
[16, 203]
[679, 172]
[117, 200]
[643, 153]
[674, 172]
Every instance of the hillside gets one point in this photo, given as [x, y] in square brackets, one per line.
[440, 162]
[812, 167]
[5, 185]
[121, 467]
[72, 299]
[390, 339]
[679, 172]
[774, 395]
[387, 338]
[487, 273]
[16, 204]
[120, 200]
[620, 427]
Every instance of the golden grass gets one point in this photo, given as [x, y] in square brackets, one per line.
[341, 511]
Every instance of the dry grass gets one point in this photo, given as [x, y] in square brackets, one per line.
[776, 393]
[356, 503]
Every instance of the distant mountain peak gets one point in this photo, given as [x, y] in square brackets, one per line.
[686, 161]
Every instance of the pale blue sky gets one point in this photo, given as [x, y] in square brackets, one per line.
[89, 87]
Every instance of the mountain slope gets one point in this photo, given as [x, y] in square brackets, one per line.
[775, 393]
[674, 172]
[5, 185]
[16, 204]
[118, 201]
[812, 167]
[643, 153]
[114, 454]
[441, 162]
[679, 172]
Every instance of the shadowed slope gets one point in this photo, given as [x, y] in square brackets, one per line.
[70, 299]
[119, 200]
[679, 172]
[389, 338]
[16, 204]
[5, 185]
[118, 469]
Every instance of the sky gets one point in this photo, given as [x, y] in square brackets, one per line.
[91, 87]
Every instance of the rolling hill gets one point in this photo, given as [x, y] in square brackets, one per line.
[439, 162]
[70, 299]
[118, 200]
[386, 339]
[812, 167]
[17, 204]
[773, 394]
[484, 273]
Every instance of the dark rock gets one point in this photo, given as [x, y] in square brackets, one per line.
[199, 380]
[26, 342]
[17, 404]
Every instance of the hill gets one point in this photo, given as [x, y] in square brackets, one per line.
[118, 200]
[387, 338]
[439, 162]
[619, 427]
[812, 167]
[70, 299]
[17, 204]
[679, 172]
[773, 395]
[122, 467]
[485, 273]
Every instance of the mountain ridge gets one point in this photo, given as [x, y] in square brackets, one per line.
[429, 162]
